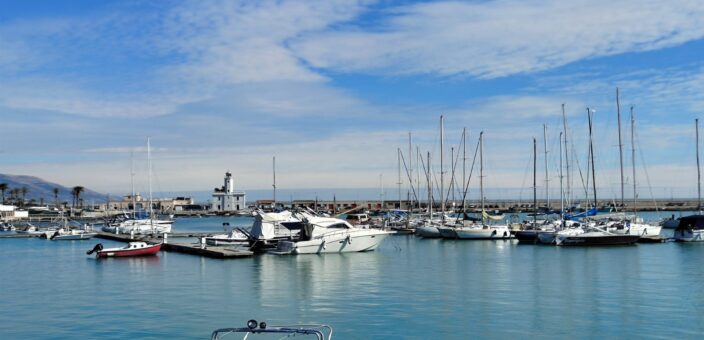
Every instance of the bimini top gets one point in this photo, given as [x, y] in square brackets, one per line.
[691, 222]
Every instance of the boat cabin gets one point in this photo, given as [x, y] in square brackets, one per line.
[357, 218]
[692, 222]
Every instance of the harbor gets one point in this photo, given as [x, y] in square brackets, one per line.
[345, 169]
[392, 285]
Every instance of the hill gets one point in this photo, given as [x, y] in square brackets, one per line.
[39, 189]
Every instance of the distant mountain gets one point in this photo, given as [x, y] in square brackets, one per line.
[38, 188]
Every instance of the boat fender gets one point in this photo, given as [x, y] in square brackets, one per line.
[493, 233]
[98, 247]
[349, 239]
[504, 234]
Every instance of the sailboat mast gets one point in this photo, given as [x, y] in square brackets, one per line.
[545, 147]
[273, 166]
[562, 193]
[481, 171]
[452, 177]
[149, 164]
[699, 175]
[398, 153]
[134, 199]
[442, 173]
[418, 161]
[410, 167]
[620, 143]
[535, 183]
[464, 168]
[430, 191]
[633, 159]
[381, 194]
[567, 160]
[591, 154]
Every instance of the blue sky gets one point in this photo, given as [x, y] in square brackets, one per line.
[332, 88]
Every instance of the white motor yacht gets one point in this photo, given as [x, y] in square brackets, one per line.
[331, 235]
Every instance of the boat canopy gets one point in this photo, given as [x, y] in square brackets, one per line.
[265, 223]
[691, 222]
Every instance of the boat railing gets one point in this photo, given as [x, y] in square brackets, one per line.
[321, 332]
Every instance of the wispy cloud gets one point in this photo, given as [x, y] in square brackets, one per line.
[490, 39]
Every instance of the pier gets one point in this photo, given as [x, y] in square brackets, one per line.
[185, 248]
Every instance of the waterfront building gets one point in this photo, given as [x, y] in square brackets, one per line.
[226, 199]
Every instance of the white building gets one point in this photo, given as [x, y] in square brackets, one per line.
[226, 198]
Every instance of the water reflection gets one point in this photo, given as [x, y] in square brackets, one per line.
[315, 281]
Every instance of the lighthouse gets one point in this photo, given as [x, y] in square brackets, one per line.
[226, 198]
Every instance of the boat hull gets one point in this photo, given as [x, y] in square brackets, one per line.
[349, 244]
[489, 233]
[447, 232]
[427, 231]
[80, 236]
[688, 235]
[605, 240]
[146, 251]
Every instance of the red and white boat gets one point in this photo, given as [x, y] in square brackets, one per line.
[132, 249]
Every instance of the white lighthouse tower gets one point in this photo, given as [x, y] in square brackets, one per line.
[226, 198]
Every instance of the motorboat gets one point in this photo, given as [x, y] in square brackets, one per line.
[254, 329]
[233, 236]
[331, 235]
[7, 227]
[140, 226]
[31, 229]
[70, 234]
[270, 228]
[131, 249]
[690, 229]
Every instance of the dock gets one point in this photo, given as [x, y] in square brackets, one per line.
[19, 236]
[217, 252]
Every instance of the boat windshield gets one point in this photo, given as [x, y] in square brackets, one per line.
[261, 331]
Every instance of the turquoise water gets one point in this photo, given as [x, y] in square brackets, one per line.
[408, 288]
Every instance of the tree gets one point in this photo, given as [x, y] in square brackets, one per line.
[77, 190]
[24, 191]
[3, 188]
[56, 196]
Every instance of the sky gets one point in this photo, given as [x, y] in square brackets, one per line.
[332, 88]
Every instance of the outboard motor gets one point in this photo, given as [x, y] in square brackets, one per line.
[98, 247]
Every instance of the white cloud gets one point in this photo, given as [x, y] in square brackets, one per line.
[230, 42]
[488, 39]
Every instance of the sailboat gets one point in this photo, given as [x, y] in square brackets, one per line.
[430, 227]
[530, 233]
[632, 225]
[143, 225]
[483, 231]
[592, 234]
[691, 228]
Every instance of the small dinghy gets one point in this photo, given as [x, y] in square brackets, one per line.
[254, 329]
[132, 249]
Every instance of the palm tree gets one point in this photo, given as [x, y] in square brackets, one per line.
[14, 195]
[56, 196]
[77, 190]
[24, 190]
[3, 188]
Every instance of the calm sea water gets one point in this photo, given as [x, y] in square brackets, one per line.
[408, 288]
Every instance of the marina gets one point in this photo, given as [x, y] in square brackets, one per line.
[344, 169]
[652, 286]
